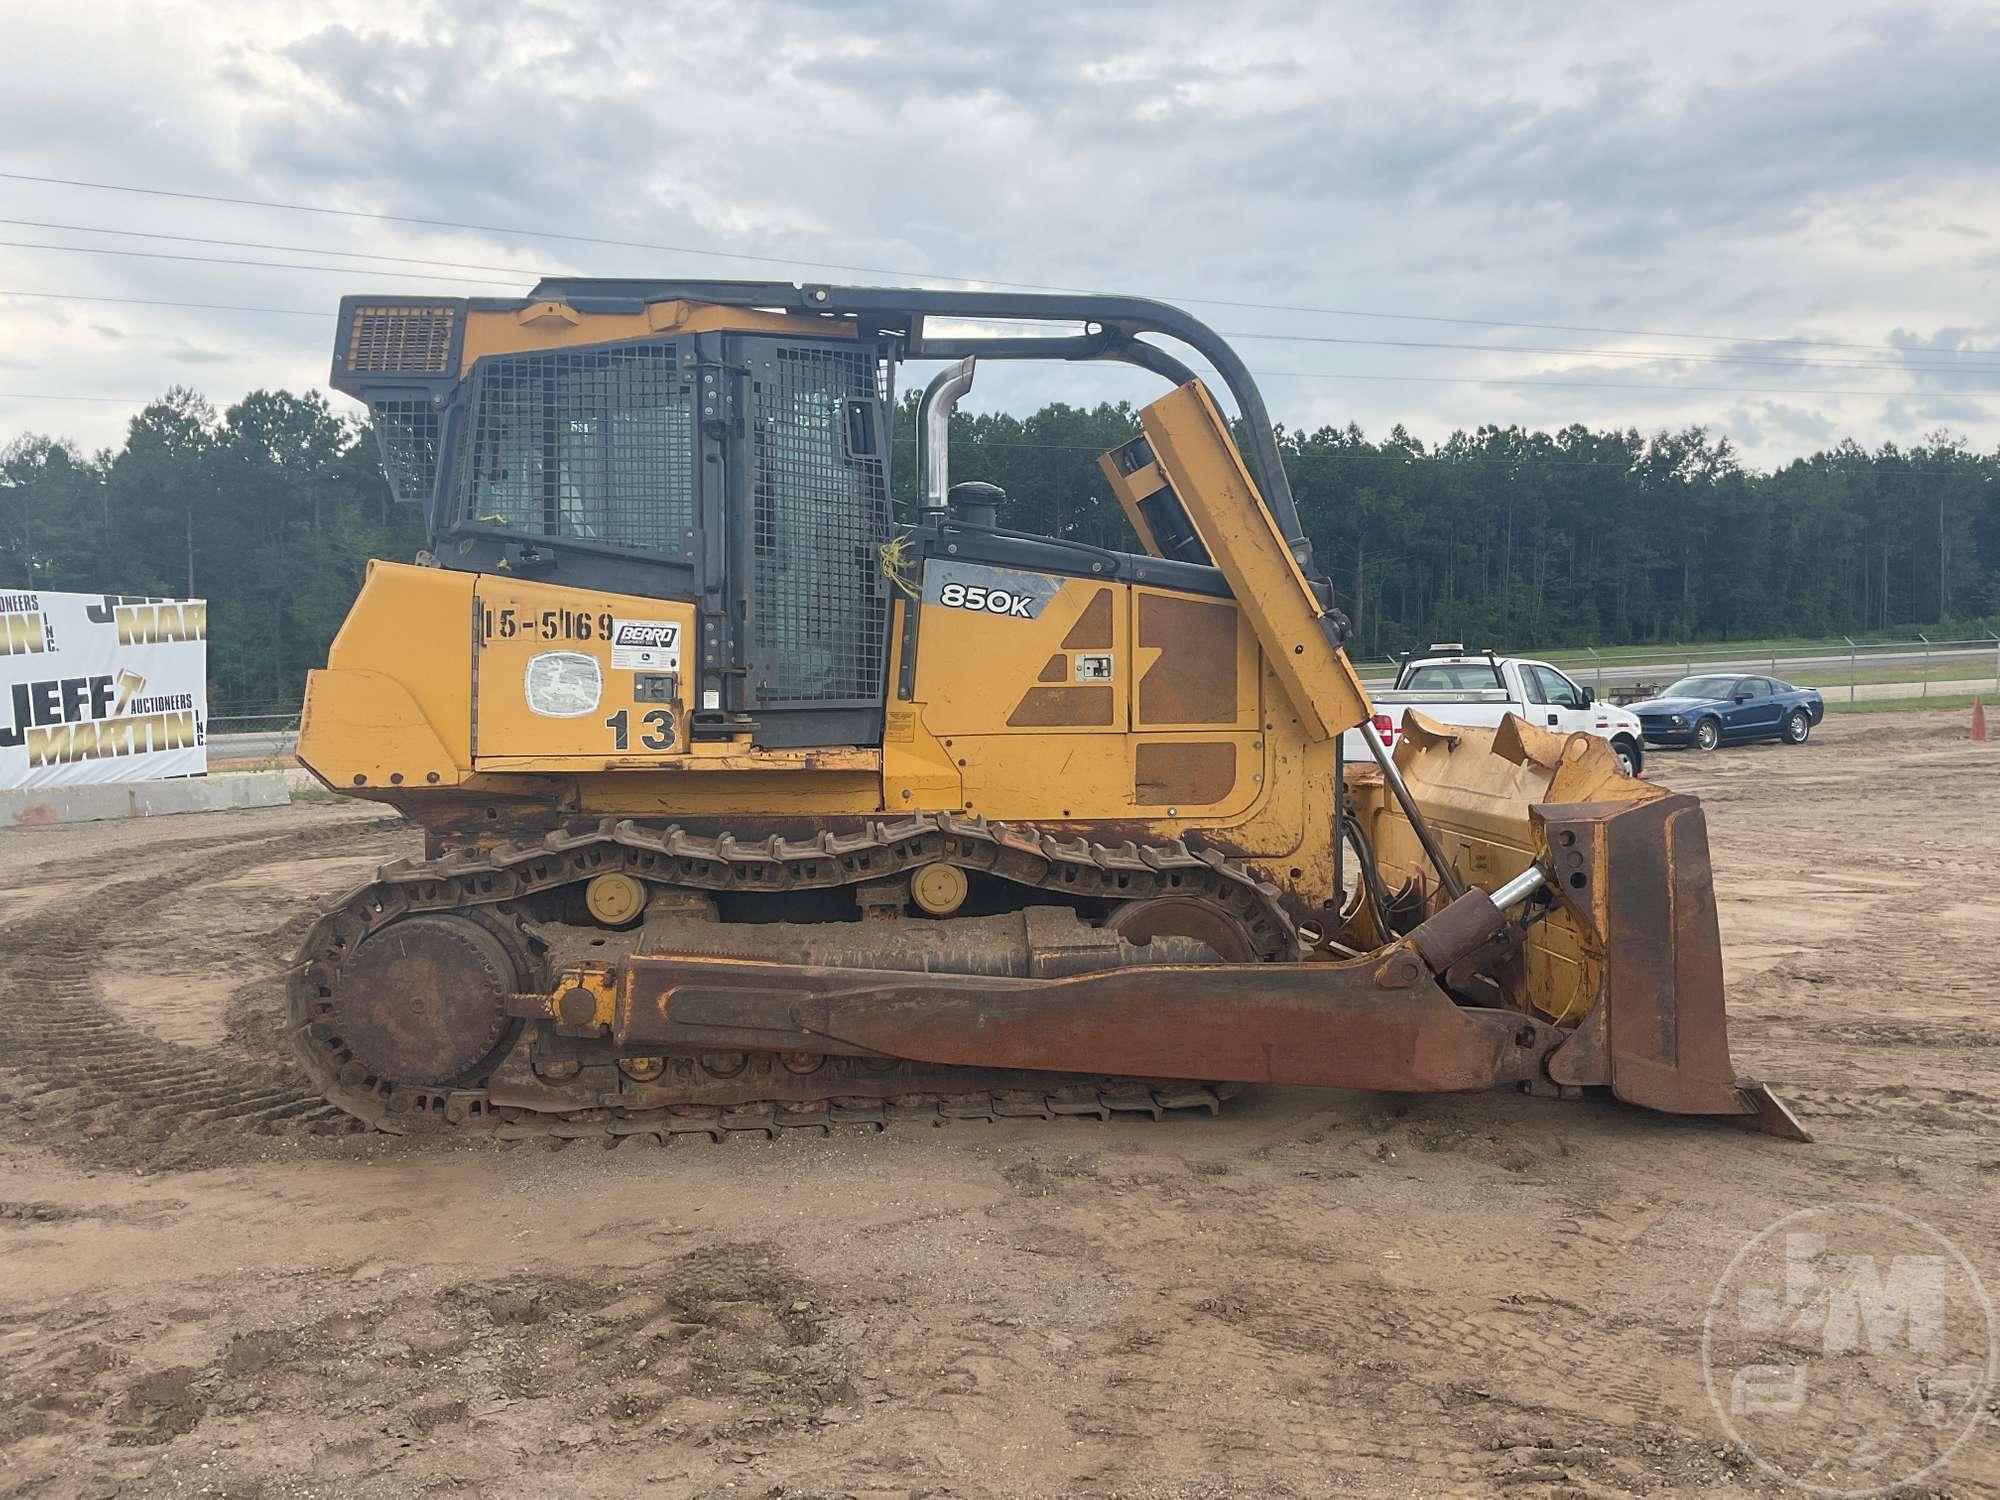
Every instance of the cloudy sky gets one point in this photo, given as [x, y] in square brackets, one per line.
[1779, 220]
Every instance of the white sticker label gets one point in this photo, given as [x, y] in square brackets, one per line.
[646, 645]
[562, 684]
[1093, 666]
[1006, 592]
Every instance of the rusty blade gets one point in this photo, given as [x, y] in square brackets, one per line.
[1637, 875]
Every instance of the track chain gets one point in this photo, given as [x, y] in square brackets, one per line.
[489, 884]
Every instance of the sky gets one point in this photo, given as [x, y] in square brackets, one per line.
[1780, 221]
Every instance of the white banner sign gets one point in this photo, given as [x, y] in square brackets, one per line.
[101, 687]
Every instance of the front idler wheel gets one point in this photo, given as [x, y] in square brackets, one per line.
[423, 1001]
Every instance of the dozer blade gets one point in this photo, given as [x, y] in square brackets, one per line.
[1629, 961]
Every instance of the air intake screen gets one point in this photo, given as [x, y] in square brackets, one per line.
[594, 444]
[400, 339]
[819, 606]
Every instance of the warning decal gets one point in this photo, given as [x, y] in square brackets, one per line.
[645, 645]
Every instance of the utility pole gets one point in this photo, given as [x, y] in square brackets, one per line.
[1360, 585]
[190, 549]
[1944, 595]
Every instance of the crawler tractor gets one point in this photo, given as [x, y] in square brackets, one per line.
[749, 803]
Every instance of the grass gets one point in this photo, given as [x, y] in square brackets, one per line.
[1905, 705]
[1962, 669]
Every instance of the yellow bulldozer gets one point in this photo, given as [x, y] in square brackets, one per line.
[749, 804]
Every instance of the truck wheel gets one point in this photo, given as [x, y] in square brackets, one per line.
[1628, 759]
[1707, 734]
[1798, 724]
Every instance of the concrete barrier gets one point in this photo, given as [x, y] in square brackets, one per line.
[31, 807]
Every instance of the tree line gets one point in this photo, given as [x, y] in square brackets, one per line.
[1523, 539]
[271, 508]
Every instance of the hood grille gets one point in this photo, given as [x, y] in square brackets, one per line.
[401, 339]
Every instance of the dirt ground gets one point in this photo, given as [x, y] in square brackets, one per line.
[206, 1287]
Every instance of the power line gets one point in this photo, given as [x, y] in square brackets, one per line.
[51, 396]
[290, 312]
[1621, 385]
[774, 260]
[268, 265]
[196, 239]
[1652, 354]
[1300, 338]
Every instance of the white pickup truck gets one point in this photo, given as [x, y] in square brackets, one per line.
[1456, 686]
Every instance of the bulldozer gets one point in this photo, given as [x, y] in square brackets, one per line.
[750, 804]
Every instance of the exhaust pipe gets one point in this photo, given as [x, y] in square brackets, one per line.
[940, 400]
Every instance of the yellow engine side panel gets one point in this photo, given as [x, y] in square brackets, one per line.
[1002, 649]
[1074, 699]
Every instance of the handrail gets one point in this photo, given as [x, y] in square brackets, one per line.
[1120, 321]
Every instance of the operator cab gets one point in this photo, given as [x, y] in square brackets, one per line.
[728, 444]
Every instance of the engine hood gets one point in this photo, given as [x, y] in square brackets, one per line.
[1676, 705]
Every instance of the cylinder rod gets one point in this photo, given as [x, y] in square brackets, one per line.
[1521, 887]
[1453, 886]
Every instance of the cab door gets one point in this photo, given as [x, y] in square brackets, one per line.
[1558, 702]
[1755, 709]
[809, 514]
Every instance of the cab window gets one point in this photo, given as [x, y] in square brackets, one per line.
[596, 445]
[1450, 677]
[1547, 685]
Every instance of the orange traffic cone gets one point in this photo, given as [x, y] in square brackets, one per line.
[1978, 723]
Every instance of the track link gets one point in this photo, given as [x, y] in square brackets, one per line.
[493, 886]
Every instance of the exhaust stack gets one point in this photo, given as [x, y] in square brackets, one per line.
[941, 398]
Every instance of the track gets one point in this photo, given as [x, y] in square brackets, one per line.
[499, 887]
[79, 1075]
